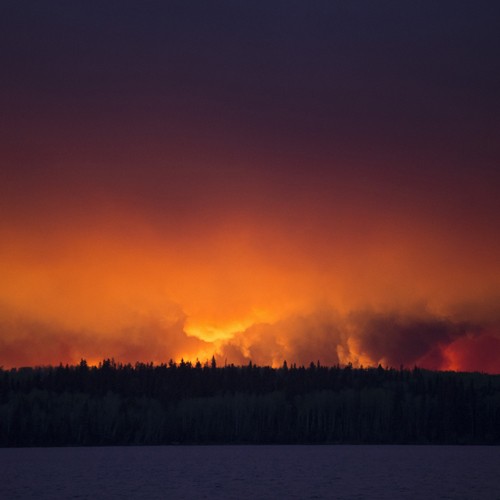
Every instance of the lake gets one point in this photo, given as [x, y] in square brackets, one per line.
[339, 472]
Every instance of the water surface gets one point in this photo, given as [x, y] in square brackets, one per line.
[338, 472]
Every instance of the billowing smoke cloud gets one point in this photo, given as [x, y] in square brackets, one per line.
[360, 337]
[148, 339]
[394, 339]
[481, 353]
[364, 338]
[299, 339]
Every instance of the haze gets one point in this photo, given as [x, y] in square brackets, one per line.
[256, 181]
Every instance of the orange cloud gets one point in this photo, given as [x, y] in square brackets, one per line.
[289, 287]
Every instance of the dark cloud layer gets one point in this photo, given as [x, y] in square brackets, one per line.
[280, 78]
[401, 339]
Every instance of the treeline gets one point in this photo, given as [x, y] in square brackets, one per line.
[121, 404]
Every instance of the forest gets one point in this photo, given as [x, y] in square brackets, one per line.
[184, 403]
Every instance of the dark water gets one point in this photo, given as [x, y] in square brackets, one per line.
[427, 472]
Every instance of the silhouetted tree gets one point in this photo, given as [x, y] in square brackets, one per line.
[150, 404]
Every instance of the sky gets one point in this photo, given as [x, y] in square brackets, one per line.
[256, 181]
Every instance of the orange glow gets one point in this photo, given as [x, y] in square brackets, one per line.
[236, 289]
[261, 183]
